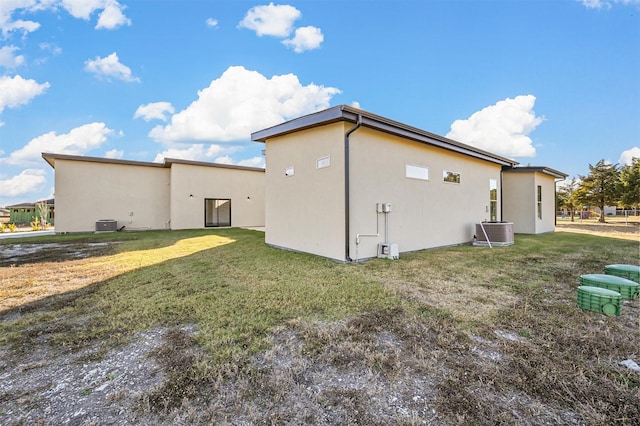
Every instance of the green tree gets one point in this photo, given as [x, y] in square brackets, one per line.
[630, 184]
[601, 187]
[568, 197]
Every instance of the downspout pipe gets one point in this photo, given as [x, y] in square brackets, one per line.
[347, 197]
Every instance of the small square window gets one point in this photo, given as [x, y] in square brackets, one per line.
[323, 162]
[450, 177]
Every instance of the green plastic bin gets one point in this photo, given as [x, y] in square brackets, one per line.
[630, 272]
[599, 300]
[628, 289]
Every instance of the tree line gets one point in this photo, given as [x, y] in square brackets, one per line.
[605, 185]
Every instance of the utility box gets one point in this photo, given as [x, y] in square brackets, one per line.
[388, 251]
[106, 225]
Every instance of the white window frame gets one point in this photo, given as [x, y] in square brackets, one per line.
[323, 162]
[446, 173]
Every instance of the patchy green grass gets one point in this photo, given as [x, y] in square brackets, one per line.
[462, 334]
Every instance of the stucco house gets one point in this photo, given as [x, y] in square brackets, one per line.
[530, 198]
[176, 194]
[345, 184]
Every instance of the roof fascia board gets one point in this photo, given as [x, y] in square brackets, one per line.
[432, 139]
[170, 161]
[306, 121]
[51, 158]
[541, 169]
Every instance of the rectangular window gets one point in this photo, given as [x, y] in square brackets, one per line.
[493, 200]
[417, 172]
[217, 212]
[539, 202]
[450, 177]
[323, 162]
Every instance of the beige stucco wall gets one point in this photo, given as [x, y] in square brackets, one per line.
[192, 184]
[85, 192]
[305, 212]
[425, 213]
[520, 207]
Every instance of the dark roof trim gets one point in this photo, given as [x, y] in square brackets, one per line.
[51, 159]
[22, 206]
[169, 161]
[540, 169]
[347, 113]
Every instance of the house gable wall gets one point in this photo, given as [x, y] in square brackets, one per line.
[192, 184]
[521, 191]
[136, 197]
[305, 211]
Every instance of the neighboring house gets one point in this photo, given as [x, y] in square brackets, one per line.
[342, 181]
[4, 215]
[176, 194]
[25, 213]
[530, 189]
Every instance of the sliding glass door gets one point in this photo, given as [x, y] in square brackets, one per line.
[217, 212]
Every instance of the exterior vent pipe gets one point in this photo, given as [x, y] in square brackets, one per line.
[346, 189]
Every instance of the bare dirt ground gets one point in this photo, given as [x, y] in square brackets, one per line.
[376, 371]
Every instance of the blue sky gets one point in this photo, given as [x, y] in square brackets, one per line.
[552, 83]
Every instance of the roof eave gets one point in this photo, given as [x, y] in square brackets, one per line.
[347, 113]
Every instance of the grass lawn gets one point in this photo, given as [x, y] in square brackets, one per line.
[463, 334]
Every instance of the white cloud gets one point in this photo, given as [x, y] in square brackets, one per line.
[241, 102]
[29, 180]
[8, 59]
[82, 9]
[196, 152]
[627, 156]
[271, 20]
[306, 38]
[8, 25]
[224, 160]
[252, 162]
[77, 142]
[112, 17]
[593, 4]
[16, 91]
[599, 4]
[502, 128]
[109, 66]
[211, 22]
[154, 111]
[356, 104]
[114, 153]
[56, 50]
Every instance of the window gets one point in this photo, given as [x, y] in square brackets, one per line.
[417, 172]
[323, 162]
[539, 202]
[217, 212]
[493, 200]
[450, 177]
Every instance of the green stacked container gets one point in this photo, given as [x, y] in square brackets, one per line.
[630, 272]
[599, 300]
[627, 288]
